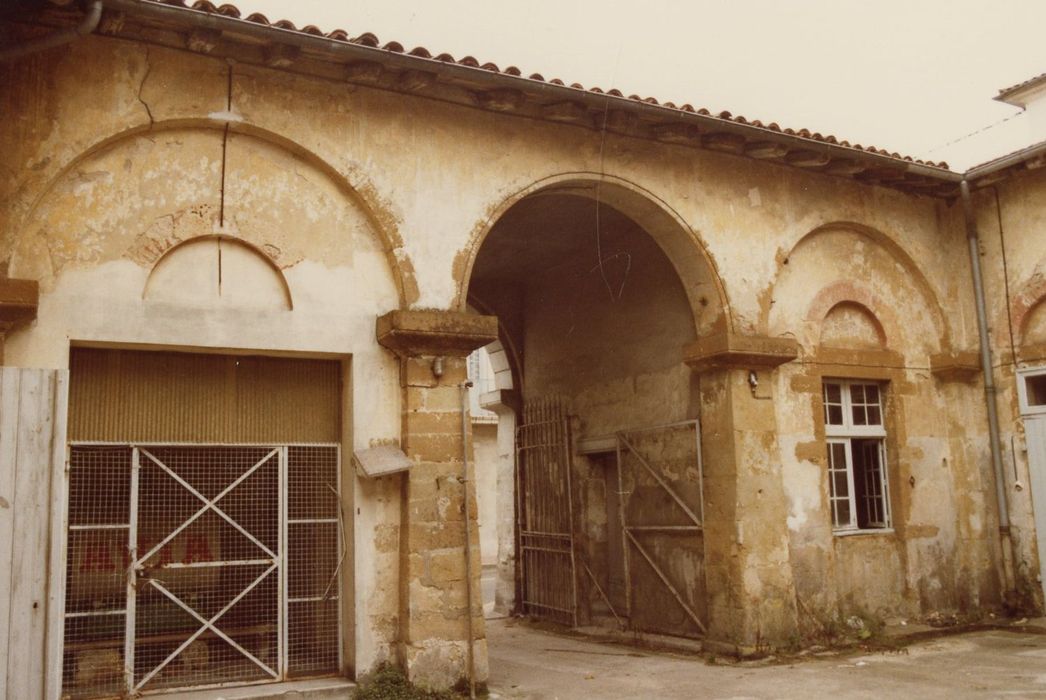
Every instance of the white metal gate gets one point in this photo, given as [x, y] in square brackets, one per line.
[1035, 434]
[200, 565]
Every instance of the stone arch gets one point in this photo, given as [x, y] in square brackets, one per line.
[849, 298]
[268, 285]
[852, 325]
[503, 353]
[832, 290]
[357, 190]
[688, 254]
[1034, 330]
[1028, 310]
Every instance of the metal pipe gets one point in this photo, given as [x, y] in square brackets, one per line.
[468, 535]
[990, 389]
[63, 36]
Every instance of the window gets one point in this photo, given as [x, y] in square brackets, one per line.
[1031, 391]
[854, 432]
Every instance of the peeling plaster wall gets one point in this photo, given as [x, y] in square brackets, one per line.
[860, 308]
[365, 200]
[1011, 219]
[96, 237]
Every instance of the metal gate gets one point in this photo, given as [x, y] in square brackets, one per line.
[545, 512]
[198, 566]
[661, 514]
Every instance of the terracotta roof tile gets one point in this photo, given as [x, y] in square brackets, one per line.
[421, 53]
[366, 39]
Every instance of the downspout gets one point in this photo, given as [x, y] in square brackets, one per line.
[63, 36]
[465, 481]
[990, 389]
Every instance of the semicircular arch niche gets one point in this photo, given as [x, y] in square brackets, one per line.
[841, 265]
[140, 196]
[217, 270]
[851, 325]
[1033, 331]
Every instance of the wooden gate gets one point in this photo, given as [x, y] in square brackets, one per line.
[32, 497]
[661, 515]
[545, 512]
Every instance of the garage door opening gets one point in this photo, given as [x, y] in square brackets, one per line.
[198, 553]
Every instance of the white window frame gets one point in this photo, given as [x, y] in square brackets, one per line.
[1022, 391]
[844, 434]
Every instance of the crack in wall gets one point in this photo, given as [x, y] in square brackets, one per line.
[141, 86]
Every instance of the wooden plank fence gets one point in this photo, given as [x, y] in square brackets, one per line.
[32, 532]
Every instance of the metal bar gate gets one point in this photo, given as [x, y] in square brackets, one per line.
[545, 512]
[200, 566]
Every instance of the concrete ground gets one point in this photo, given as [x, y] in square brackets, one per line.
[531, 664]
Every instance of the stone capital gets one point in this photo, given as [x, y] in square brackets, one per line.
[955, 366]
[439, 333]
[725, 350]
[19, 300]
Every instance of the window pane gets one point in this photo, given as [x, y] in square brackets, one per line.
[842, 513]
[1036, 390]
[833, 393]
[872, 393]
[870, 496]
[835, 415]
[859, 417]
[839, 484]
[874, 416]
[857, 393]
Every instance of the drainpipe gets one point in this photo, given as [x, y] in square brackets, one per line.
[63, 36]
[468, 535]
[989, 387]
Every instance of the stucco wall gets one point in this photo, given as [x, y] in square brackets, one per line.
[1011, 218]
[357, 201]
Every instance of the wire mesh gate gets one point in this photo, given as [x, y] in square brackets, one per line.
[196, 566]
[545, 512]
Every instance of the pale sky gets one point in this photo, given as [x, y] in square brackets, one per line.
[910, 76]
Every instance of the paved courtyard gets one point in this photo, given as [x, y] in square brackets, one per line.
[532, 664]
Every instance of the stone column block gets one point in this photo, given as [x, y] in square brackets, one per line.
[434, 610]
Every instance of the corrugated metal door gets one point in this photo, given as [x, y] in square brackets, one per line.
[1035, 432]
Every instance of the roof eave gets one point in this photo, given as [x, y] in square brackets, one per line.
[599, 102]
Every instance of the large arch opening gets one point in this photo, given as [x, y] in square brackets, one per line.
[598, 290]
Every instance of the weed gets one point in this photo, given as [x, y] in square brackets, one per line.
[389, 683]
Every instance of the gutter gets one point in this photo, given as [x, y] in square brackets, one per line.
[990, 390]
[1015, 158]
[63, 36]
[599, 100]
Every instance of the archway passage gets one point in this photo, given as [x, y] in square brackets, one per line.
[596, 315]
